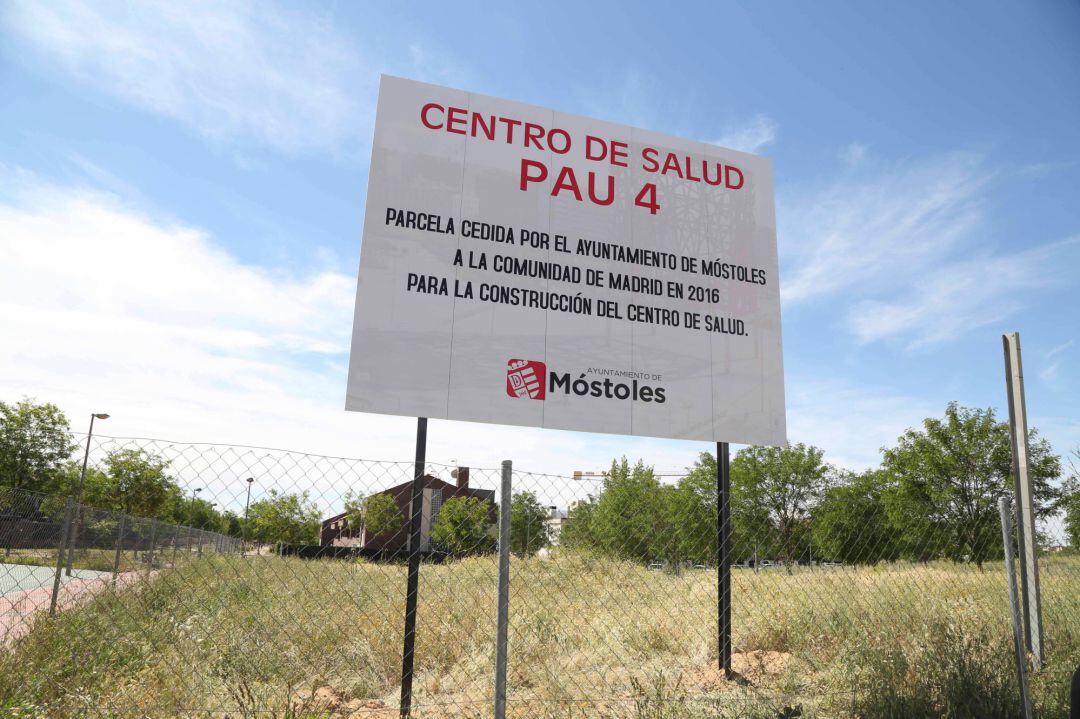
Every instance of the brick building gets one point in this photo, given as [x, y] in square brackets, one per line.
[337, 532]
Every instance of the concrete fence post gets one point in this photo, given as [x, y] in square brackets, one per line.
[1014, 603]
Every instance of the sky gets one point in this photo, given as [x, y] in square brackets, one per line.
[182, 193]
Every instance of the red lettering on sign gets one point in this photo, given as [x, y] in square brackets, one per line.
[456, 116]
[424, 115]
[541, 173]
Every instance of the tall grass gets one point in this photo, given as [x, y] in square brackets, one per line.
[588, 638]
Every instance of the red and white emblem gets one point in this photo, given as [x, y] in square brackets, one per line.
[525, 379]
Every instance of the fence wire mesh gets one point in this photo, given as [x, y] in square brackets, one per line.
[221, 581]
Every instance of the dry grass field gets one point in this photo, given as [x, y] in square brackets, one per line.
[284, 637]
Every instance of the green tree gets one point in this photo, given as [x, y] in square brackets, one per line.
[1071, 505]
[200, 514]
[135, 482]
[380, 514]
[948, 478]
[778, 485]
[577, 532]
[529, 530]
[463, 527]
[35, 442]
[1071, 502]
[287, 518]
[629, 513]
[233, 523]
[851, 523]
[692, 509]
[65, 484]
[354, 510]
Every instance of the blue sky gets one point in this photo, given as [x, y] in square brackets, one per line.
[182, 192]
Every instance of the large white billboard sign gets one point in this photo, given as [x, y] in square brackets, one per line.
[530, 267]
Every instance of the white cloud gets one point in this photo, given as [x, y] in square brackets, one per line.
[962, 295]
[854, 154]
[251, 72]
[758, 133]
[1053, 360]
[851, 423]
[877, 229]
[900, 244]
[102, 305]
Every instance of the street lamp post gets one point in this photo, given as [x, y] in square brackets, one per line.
[191, 512]
[247, 504]
[74, 531]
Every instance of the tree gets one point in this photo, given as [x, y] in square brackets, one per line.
[529, 530]
[287, 518]
[851, 523]
[35, 441]
[780, 485]
[1071, 501]
[462, 527]
[629, 513]
[1071, 505]
[695, 514]
[233, 523]
[692, 507]
[136, 482]
[381, 514]
[199, 514]
[65, 483]
[354, 510]
[577, 533]
[949, 475]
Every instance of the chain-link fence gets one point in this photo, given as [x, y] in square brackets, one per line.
[295, 606]
[58, 553]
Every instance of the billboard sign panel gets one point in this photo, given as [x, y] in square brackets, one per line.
[530, 267]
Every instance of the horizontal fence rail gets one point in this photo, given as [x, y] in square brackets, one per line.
[214, 581]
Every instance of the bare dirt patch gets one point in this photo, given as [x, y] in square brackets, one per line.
[338, 705]
[752, 667]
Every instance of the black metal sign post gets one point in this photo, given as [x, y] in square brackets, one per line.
[723, 545]
[413, 584]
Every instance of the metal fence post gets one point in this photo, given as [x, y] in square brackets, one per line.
[65, 535]
[1014, 602]
[153, 545]
[723, 569]
[503, 610]
[412, 586]
[119, 547]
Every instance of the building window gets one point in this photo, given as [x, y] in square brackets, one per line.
[436, 504]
